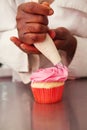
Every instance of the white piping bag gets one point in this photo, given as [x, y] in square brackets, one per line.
[47, 47]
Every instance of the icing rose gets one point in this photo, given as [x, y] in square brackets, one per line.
[56, 73]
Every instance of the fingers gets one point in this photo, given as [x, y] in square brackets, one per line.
[29, 49]
[60, 44]
[33, 28]
[31, 38]
[16, 41]
[36, 28]
[32, 21]
[31, 18]
[60, 33]
[32, 7]
[52, 33]
[24, 47]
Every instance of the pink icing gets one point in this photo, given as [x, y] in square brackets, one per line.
[56, 73]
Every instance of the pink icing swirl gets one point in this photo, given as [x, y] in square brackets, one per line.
[56, 73]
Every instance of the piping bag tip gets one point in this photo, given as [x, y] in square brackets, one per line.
[49, 50]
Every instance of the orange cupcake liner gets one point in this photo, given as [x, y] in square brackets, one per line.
[52, 95]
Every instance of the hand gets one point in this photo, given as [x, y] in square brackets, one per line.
[32, 22]
[64, 40]
[29, 49]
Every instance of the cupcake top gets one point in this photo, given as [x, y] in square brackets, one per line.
[51, 74]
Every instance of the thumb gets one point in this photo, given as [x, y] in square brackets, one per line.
[15, 40]
[52, 33]
[61, 33]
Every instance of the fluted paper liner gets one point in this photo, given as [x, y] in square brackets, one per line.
[51, 95]
[49, 50]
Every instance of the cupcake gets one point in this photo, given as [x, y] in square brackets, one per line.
[48, 84]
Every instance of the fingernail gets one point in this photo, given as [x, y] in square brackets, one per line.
[52, 34]
[46, 3]
[22, 46]
[51, 11]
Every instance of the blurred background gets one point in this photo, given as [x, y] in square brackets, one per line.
[5, 71]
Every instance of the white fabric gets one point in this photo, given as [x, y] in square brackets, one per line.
[71, 14]
[80, 5]
[9, 53]
[78, 66]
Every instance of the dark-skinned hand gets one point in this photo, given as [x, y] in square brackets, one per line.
[32, 25]
[64, 40]
[32, 28]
